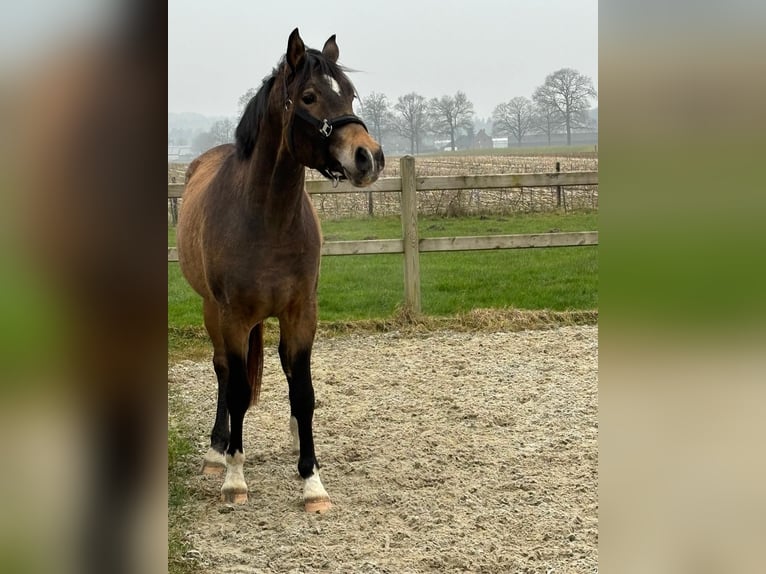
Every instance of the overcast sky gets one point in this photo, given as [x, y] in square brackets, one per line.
[493, 50]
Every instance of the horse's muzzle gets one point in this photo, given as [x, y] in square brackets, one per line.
[369, 163]
[359, 156]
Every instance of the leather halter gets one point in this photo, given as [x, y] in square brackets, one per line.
[324, 128]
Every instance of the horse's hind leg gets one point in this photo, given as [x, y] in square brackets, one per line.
[296, 339]
[215, 460]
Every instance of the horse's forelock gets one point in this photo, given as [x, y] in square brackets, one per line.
[316, 63]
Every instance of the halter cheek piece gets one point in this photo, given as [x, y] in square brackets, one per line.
[325, 128]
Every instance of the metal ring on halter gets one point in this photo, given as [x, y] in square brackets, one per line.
[326, 128]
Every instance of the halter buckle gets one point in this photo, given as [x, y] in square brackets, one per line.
[326, 128]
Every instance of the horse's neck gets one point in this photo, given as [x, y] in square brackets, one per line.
[276, 186]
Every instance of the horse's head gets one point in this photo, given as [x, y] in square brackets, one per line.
[321, 129]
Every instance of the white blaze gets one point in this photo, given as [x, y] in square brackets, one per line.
[333, 84]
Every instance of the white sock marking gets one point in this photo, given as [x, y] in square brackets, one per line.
[235, 472]
[313, 489]
[214, 457]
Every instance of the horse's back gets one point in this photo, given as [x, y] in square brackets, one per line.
[199, 176]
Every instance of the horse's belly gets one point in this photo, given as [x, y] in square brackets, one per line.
[264, 286]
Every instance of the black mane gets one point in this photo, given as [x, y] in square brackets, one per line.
[250, 123]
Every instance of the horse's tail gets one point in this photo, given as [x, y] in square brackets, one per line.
[255, 362]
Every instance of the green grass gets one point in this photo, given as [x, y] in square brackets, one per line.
[371, 286]
[184, 305]
[360, 287]
[557, 279]
[390, 227]
[180, 447]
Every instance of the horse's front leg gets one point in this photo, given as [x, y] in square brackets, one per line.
[215, 458]
[238, 399]
[297, 335]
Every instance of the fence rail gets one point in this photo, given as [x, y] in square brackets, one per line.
[411, 245]
[449, 182]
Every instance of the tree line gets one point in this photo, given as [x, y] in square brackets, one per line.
[559, 104]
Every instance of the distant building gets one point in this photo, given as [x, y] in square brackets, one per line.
[445, 145]
[482, 140]
[180, 153]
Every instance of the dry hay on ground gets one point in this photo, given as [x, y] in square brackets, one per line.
[471, 201]
[463, 202]
[441, 451]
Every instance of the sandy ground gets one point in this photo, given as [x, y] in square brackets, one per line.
[445, 452]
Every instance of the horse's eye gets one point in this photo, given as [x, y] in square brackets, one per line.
[309, 98]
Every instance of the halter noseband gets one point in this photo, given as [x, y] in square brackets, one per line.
[324, 127]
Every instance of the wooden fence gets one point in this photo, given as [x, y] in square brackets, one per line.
[411, 245]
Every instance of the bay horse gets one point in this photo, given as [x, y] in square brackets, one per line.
[249, 243]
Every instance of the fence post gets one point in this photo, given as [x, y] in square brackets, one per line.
[558, 187]
[174, 206]
[410, 235]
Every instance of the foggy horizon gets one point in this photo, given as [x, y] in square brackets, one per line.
[491, 50]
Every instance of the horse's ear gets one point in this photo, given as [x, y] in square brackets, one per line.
[296, 50]
[330, 49]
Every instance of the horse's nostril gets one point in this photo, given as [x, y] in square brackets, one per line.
[363, 159]
[380, 159]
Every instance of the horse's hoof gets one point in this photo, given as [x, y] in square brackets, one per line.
[213, 468]
[234, 496]
[214, 462]
[318, 506]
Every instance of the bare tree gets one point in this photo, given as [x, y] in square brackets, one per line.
[566, 91]
[451, 113]
[513, 118]
[244, 99]
[222, 132]
[546, 121]
[376, 113]
[411, 120]
[203, 141]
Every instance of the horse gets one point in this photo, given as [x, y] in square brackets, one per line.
[249, 244]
